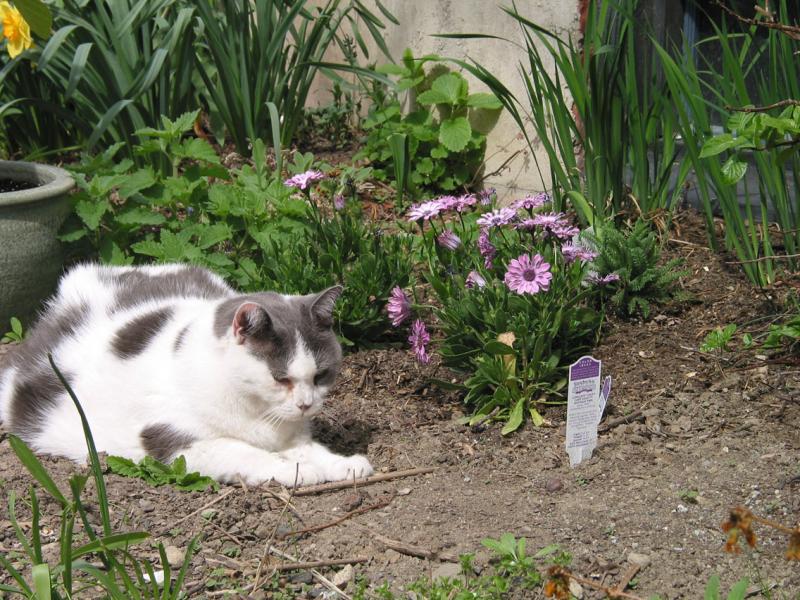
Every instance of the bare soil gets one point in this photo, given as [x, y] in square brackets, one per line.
[706, 433]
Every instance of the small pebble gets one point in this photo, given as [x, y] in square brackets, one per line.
[343, 577]
[636, 558]
[174, 556]
[403, 491]
[146, 505]
[553, 485]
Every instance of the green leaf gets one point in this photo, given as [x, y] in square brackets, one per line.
[515, 418]
[41, 581]
[719, 143]
[114, 541]
[134, 182]
[91, 212]
[454, 134]
[733, 170]
[484, 100]
[712, 588]
[38, 17]
[123, 466]
[140, 216]
[739, 589]
[449, 87]
[498, 348]
[36, 469]
[197, 149]
[432, 97]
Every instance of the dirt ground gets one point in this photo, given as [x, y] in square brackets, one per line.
[705, 434]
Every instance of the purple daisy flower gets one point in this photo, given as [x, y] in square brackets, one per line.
[549, 220]
[474, 279]
[571, 253]
[498, 218]
[304, 180]
[601, 281]
[419, 339]
[487, 196]
[532, 202]
[338, 202]
[448, 239]
[528, 274]
[398, 306]
[564, 231]
[465, 201]
[425, 211]
[486, 248]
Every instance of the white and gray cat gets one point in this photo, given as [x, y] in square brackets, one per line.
[169, 360]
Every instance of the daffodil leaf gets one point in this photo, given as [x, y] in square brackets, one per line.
[37, 15]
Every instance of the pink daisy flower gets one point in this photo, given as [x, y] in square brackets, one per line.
[398, 306]
[474, 280]
[419, 339]
[425, 211]
[448, 239]
[528, 274]
[304, 180]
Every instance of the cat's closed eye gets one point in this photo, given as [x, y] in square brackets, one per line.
[322, 376]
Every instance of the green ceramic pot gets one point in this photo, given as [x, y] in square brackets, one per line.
[30, 253]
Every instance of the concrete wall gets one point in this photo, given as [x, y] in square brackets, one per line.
[419, 19]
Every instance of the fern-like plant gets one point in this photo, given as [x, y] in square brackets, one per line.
[633, 256]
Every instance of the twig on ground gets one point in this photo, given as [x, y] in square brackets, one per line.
[411, 550]
[195, 512]
[344, 517]
[317, 575]
[314, 564]
[635, 415]
[340, 485]
[268, 545]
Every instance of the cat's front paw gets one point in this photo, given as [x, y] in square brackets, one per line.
[302, 475]
[349, 467]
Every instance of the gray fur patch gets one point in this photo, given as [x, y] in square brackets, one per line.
[52, 327]
[135, 336]
[137, 286]
[180, 339]
[163, 442]
[34, 394]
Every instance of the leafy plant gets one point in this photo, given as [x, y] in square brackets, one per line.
[156, 473]
[16, 334]
[718, 339]
[737, 592]
[705, 90]
[602, 116]
[509, 302]
[440, 144]
[121, 575]
[269, 51]
[110, 68]
[628, 271]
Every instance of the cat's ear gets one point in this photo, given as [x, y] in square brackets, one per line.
[322, 306]
[250, 319]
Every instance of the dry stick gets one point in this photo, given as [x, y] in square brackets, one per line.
[340, 485]
[620, 420]
[199, 510]
[313, 564]
[267, 546]
[317, 575]
[411, 550]
[344, 517]
[762, 258]
[627, 578]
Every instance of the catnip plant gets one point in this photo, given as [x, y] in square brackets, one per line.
[507, 301]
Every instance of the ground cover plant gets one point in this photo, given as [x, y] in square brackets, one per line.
[440, 138]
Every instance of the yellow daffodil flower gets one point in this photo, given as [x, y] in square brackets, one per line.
[15, 29]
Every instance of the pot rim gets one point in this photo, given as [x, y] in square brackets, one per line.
[52, 181]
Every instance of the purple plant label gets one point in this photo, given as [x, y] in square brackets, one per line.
[602, 400]
[583, 412]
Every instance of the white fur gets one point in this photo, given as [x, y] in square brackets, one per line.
[245, 423]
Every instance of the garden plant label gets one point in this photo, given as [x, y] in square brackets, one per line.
[583, 408]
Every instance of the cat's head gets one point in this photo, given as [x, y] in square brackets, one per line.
[286, 355]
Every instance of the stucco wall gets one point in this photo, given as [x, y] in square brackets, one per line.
[419, 19]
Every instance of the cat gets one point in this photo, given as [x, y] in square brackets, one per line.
[169, 360]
